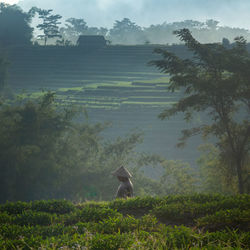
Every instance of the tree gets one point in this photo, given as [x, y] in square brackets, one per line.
[49, 25]
[45, 154]
[76, 27]
[212, 24]
[127, 32]
[29, 142]
[14, 26]
[215, 176]
[215, 81]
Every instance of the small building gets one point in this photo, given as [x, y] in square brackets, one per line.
[93, 41]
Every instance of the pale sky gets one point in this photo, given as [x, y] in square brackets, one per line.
[233, 13]
[9, 1]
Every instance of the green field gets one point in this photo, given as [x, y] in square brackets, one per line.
[171, 222]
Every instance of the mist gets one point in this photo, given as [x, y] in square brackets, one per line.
[146, 12]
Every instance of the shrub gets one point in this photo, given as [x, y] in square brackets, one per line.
[53, 206]
[5, 218]
[115, 241]
[98, 226]
[31, 218]
[90, 214]
[231, 218]
[187, 211]
[15, 207]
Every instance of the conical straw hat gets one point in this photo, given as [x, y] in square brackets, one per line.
[122, 172]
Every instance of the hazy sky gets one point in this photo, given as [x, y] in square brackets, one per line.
[234, 13]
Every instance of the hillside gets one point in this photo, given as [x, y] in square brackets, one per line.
[171, 222]
[114, 84]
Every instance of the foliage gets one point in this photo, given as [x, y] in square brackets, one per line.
[187, 211]
[53, 206]
[46, 154]
[88, 213]
[14, 26]
[4, 65]
[101, 227]
[215, 81]
[214, 175]
[30, 135]
[230, 218]
[76, 27]
[49, 24]
[32, 218]
[127, 32]
[178, 177]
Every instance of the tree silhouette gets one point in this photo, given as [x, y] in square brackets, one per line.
[217, 82]
[125, 31]
[49, 25]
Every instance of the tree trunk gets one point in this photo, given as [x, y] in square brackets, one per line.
[239, 174]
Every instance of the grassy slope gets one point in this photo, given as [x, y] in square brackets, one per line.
[173, 222]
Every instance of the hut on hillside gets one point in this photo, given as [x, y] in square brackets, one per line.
[93, 41]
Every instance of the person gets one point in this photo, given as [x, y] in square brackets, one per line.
[126, 187]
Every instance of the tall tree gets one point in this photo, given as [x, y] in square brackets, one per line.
[215, 81]
[49, 25]
[14, 26]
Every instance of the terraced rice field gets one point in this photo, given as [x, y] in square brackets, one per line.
[108, 79]
[114, 84]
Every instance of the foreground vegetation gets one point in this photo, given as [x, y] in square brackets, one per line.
[170, 222]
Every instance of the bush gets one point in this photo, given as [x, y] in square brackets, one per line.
[186, 212]
[15, 207]
[231, 218]
[53, 206]
[115, 241]
[122, 224]
[90, 214]
[31, 218]
[94, 225]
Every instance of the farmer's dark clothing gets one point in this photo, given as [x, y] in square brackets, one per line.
[125, 189]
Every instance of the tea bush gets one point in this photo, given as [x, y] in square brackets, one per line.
[53, 206]
[32, 218]
[89, 214]
[15, 207]
[186, 212]
[231, 218]
[209, 222]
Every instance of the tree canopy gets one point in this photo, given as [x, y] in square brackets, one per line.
[216, 81]
[15, 26]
